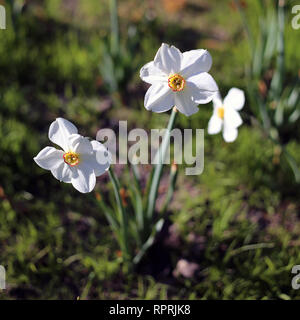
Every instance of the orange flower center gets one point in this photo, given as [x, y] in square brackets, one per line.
[220, 112]
[71, 158]
[176, 82]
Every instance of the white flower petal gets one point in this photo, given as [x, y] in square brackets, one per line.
[215, 124]
[204, 81]
[63, 172]
[235, 98]
[102, 158]
[168, 59]
[194, 62]
[59, 132]
[217, 100]
[232, 118]
[229, 133]
[83, 178]
[102, 153]
[151, 74]
[184, 102]
[199, 96]
[159, 98]
[202, 87]
[92, 162]
[80, 144]
[49, 158]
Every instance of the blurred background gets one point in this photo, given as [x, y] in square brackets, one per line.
[232, 232]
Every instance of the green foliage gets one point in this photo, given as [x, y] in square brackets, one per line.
[246, 249]
[273, 93]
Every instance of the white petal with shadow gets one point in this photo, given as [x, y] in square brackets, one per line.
[168, 59]
[83, 178]
[159, 98]
[197, 95]
[80, 144]
[63, 172]
[59, 132]
[49, 158]
[194, 62]
[151, 74]
[184, 102]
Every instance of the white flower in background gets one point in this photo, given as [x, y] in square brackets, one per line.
[80, 161]
[178, 79]
[226, 116]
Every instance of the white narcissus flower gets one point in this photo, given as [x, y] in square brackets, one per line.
[80, 161]
[226, 116]
[178, 79]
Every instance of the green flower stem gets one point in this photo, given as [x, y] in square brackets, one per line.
[171, 189]
[114, 26]
[108, 214]
[123, 217]
[158, 168]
